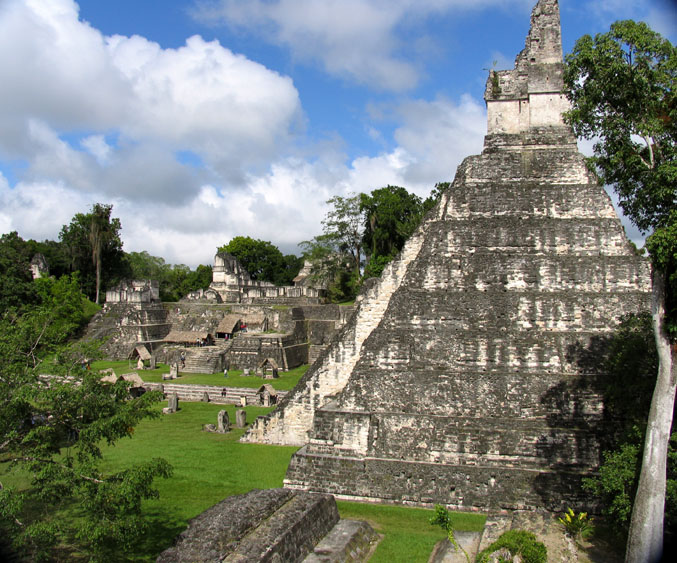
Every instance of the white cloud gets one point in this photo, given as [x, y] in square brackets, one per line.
[97, 146]
[60, 72]
[360, 40]
[38, 210]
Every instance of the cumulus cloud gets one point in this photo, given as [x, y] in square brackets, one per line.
[39, 209]
[360, 40]
[60, 75]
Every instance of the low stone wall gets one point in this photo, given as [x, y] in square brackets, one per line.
[469, 487]
[195, 393]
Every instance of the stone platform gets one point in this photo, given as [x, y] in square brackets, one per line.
[276, 525]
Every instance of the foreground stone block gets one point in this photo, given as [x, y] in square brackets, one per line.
[262, 525]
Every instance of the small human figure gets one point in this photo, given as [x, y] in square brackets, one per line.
[225, 372]
[183, 360]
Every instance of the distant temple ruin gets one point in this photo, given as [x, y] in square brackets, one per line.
[465, 375]
[231, 283]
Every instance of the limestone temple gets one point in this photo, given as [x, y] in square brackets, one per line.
[464, 376]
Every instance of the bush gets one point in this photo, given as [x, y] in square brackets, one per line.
[517, 542]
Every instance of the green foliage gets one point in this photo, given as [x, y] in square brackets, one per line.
[435, 195]
[55, 255]
[377, 264]
[16, 280]
[343, 228]
[631, 364]
[517, 542]
[175, 280]
[263, 260]
[53, 427]
[442, 518]
[576, 525]
[662, 247]
[391, 215]
[94, 248]
[495, 84]
[377, 224]
[621, 86]
[616, 484]
[331, 268]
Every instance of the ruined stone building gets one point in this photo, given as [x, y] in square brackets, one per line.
[462, 378]
[132, 314]
[231, 283]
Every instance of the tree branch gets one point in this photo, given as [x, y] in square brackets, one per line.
[650, 147]
[61, 465]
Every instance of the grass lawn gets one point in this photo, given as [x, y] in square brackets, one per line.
[409, 536]
[208, 467]
[286, 381]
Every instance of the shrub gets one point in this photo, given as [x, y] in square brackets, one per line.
[517, 542]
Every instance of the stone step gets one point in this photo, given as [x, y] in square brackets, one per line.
[446, 552]
[348, 541]
[289, 533]
[275, 525]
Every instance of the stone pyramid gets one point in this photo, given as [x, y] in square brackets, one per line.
[462, 377]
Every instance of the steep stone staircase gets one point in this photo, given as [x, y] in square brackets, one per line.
[206, 359]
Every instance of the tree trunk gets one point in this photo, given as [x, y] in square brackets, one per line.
[645, 539]
[98, 273]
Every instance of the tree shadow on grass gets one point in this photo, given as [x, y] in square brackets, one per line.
[160, 534]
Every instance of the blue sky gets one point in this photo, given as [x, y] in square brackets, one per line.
[201, 120]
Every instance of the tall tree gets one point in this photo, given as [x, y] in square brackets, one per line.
[261, 259]
[92, 241]
[621, 87]
[344, 226]
[391, 215]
